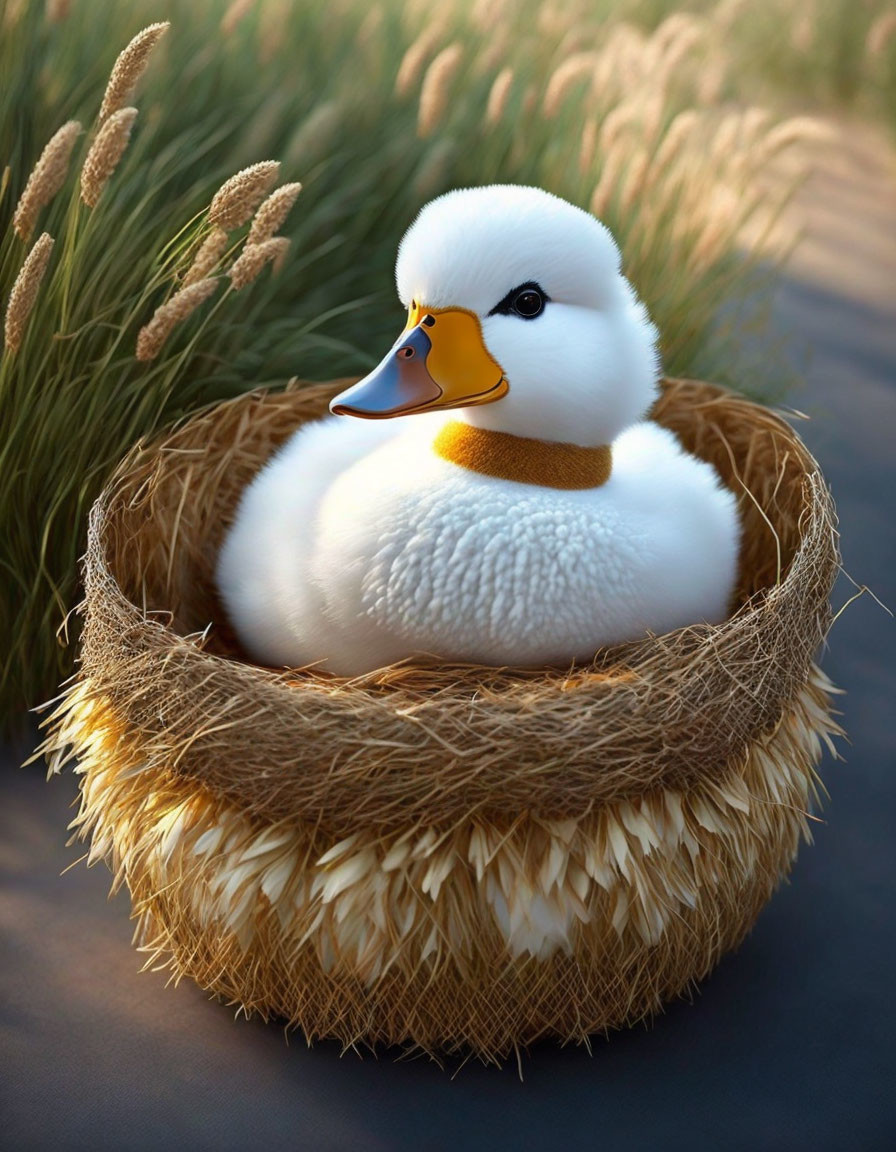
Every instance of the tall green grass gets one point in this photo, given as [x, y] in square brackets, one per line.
[331, 94]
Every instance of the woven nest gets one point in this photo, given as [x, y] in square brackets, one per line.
[452, 857]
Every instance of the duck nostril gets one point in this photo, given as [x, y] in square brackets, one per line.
[428, 320]
[406, 353]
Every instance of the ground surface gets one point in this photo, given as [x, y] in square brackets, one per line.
[789, 1044]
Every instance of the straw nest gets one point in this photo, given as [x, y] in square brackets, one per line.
[456, 858]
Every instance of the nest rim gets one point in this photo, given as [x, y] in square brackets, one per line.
[436, 713]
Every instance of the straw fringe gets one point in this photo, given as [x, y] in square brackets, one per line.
[375, 888]
[482, 935]
[46, 178]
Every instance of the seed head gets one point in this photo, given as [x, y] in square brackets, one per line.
[416, 56]
[588, 145]
[497, 97]
[238, 197]
[46, 178]
[24, 291]
[880, 34]
[236, 11]
[254, 257]
[436, 89]
[574, 68]
[105, 153]
[209, 253]
[57, 10]
[129, 67]
[153, 335]
[272, 212]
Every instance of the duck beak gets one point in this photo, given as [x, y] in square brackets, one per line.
[439, 361]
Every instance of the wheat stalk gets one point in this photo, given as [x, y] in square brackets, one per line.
[436, 89]
[254, 257]
[272, 212]
[238, 197]
[167, 316]
[24, 291]
[46, 179]
[105, 153]
[128, 68]
[206, 259]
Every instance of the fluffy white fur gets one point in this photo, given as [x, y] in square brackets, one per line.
[357, 545]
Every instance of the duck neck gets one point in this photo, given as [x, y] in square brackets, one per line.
[547, 463]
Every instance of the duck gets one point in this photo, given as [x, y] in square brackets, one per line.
[492, 492]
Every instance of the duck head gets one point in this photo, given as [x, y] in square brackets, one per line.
[519, 318]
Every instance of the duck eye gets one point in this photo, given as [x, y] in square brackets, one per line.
[527, 300]
[529, 303]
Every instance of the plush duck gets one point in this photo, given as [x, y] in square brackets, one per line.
[499, 497]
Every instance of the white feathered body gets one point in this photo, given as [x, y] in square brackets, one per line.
[357, 546]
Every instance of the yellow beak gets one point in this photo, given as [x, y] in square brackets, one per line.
[439, 361]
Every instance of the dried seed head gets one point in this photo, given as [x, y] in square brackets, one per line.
[607, 186]
[166, 317]
[235, 14]
[436, 89]
[57, 10]
[416, 56]
[880, 34]
[129, 67]
[254, 257]
[238, 197]
[272, 212]
[588, 145]
[24, 291]
[564, 78]
[206, 259]
[796, 130]
[634, 178]
[105, 153]
[497, 97]
[677, 135]
[46, 179]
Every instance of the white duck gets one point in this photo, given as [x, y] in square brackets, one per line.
[536, 521]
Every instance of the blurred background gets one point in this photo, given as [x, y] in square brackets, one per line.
[744, 155]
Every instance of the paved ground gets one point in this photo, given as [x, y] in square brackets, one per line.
[789, 1044]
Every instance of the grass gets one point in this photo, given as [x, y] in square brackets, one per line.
[375, 110]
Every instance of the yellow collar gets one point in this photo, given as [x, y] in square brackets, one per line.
[543, 462]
